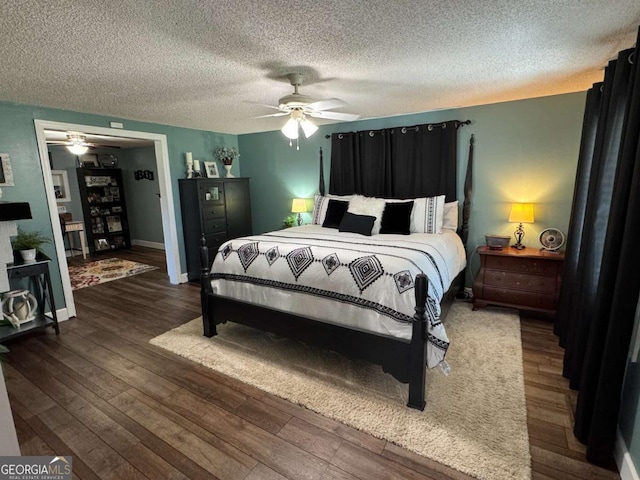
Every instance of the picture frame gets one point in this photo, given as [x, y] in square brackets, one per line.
[6, 173]
[211, 169]
[101, 244]
[61, 185]
[89, 160]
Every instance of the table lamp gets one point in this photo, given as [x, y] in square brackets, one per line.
[520, 213]
[299, 205]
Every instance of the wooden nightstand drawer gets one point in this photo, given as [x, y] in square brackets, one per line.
[515, 264]
[213, 211]
[519, 298]
[520, 281]
[527, 279]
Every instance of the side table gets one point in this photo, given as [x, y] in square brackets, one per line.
[39, 281]
[527, 279]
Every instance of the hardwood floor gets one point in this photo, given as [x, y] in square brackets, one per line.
[126, 409]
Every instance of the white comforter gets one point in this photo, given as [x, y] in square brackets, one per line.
[364, 283]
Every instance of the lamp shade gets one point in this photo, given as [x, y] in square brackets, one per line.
[290, 129]
[299, 205]
[308, 127]
[521, 213]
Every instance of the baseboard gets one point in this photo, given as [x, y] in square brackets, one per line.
[623, 460]
[145, 243]
[184, 277]
[62, 314]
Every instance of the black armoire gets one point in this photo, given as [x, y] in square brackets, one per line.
[218, 209]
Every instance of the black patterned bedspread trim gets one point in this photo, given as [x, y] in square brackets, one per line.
[343, 242]
[350, 299]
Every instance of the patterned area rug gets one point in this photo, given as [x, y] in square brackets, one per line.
[475, 420]
[101, 271]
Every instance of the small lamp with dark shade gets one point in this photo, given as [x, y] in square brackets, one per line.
[299, 205]
[520, 213]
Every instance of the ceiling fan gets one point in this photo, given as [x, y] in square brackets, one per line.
[299, 107]
[76, 143]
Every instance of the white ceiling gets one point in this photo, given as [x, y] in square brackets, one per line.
[209, 64]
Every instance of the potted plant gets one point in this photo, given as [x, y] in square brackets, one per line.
[227, 155]
[29, 244]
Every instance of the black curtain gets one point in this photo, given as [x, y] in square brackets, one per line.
[400, 162]
[600, 290]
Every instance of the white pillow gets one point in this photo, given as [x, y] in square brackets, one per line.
[320, 205]
[427, 215]
[360, 205]
[450, 216]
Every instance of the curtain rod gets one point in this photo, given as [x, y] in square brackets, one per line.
[459, 123]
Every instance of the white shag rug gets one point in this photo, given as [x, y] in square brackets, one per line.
[475, 420]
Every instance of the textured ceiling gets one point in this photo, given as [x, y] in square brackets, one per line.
[209, 64]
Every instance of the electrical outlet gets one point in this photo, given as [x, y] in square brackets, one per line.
[468, 293]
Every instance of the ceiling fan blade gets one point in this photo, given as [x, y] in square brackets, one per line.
[262, 105]
[281, 114]
[327, 104]
[346, 117]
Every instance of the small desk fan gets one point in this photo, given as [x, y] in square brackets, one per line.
[551, 239]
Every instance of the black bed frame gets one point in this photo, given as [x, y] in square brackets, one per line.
[404, 359]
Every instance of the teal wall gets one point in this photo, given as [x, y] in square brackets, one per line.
[143, 202]
[18, 139]
[63, 159]
[525, 150]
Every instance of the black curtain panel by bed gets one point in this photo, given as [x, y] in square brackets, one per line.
[601, 284]
[399, 162]
[578, 211]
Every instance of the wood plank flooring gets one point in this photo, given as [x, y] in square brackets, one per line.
[128, 410]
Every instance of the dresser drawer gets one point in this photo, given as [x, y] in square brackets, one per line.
[523, 265]
[520, 281]
[212, 211]
[214, 225]
[215, 240]
[518, 298]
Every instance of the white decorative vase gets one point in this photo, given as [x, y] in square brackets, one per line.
[28, 255]
[228, 169]
[19, 306]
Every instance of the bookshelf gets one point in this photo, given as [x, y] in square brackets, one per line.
[104, 208]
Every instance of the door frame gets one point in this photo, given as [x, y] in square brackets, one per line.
[169, 227]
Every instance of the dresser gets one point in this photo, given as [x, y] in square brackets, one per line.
[219, 209]
[527, 279]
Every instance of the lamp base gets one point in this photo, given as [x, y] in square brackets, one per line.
[299, 219]
[518, 234]
[518, 246]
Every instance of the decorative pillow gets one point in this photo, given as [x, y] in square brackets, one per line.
[450, 216]
[427, 215]
[368, 206]
[335, 211]
[361, 224]
[320, 205]
[397, 218]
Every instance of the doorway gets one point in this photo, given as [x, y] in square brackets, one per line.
[169, 228]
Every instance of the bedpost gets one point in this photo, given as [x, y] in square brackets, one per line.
[205, 290]
[418, 351]
[321, 181]
[466, 210]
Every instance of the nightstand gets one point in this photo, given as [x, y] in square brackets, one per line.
[527, 279]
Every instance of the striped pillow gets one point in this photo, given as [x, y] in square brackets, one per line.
[427, 215]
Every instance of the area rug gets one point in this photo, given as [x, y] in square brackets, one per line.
[101, 271]
[475, 420]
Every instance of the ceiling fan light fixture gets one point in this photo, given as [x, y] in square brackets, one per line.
[308, 127]
[290, 129]
[78, 145]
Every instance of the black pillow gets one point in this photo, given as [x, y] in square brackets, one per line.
[397, 218]
[362, 224]
[335, 211]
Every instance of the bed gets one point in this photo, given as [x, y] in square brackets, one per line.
[381, 298]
